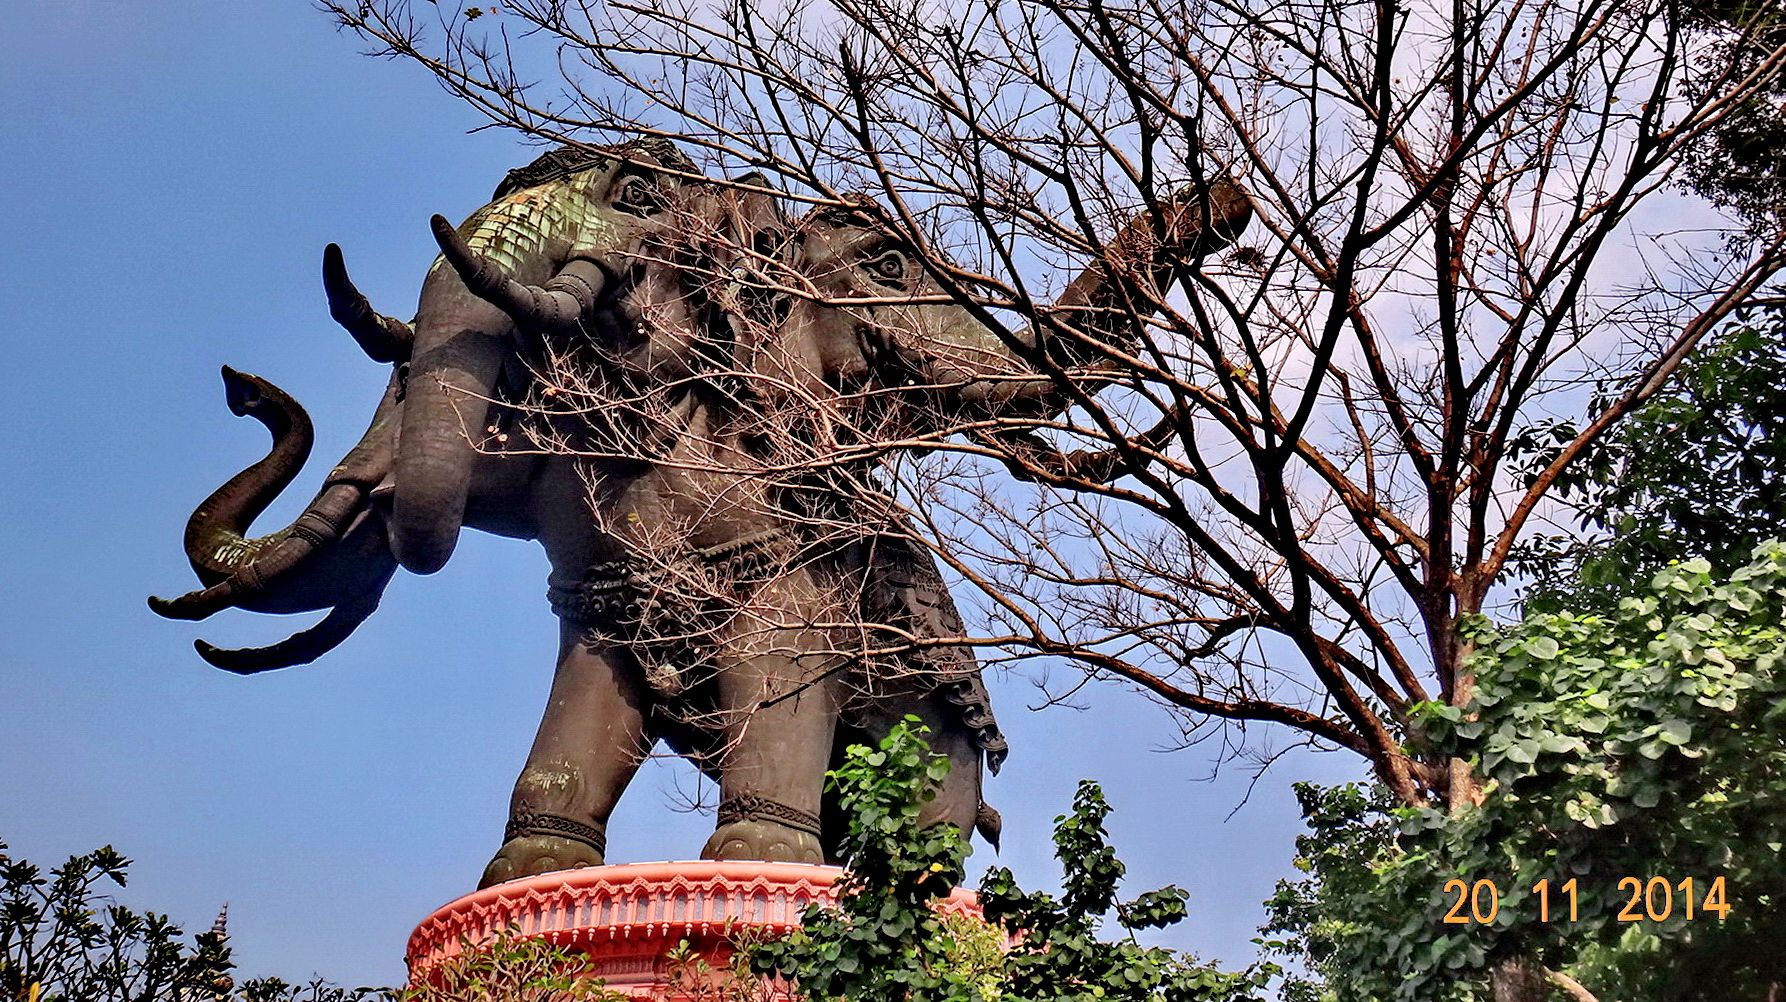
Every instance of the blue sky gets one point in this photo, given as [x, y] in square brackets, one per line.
[171, 173]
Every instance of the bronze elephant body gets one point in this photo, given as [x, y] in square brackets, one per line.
[656, 376]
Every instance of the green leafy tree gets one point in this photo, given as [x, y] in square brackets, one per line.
[1700, 470]
[1741, 164]
[60, 939]
[1648, 741]
[887, 942]
[1351, 833]
[1057, 952]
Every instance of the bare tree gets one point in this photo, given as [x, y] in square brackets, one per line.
[1262, 484]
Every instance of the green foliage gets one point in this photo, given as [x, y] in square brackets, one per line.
[1057, 953]
[1700, 469]
[511, 968]
[1741, 163]
[1351, 834]
[691, 977]
[887, 942]
[1647, 741]
[62, 939]
[59, 938]
[314, 990]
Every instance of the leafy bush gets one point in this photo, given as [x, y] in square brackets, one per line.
[1057, 953]
[511, 969]
[887, 942]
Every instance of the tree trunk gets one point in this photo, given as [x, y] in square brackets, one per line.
[1514, 979]
[1517, 979]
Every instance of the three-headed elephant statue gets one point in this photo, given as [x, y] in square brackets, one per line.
[675, 389]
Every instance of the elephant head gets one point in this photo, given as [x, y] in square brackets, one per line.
[564, 221]
[876, 316]
[335, 555]
[543, 259]
[703, 298]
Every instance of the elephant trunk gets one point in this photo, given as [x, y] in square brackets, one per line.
[234, 566]
[215, 534]
[460, 345]
[1159, 247]
[1140, 264]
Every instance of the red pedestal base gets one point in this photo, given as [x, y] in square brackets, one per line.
[625, 918]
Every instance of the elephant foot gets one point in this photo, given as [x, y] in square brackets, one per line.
[532, 848]
[763, 840]
[759, 828]
[536, 854]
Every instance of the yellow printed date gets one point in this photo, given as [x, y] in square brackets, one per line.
[1655, 899]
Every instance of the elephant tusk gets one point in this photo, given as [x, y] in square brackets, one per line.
[382, 338]
[566, 304]
[199, 604]
[300, 648]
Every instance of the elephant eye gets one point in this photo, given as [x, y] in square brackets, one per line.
[639, 196]
[890, 268]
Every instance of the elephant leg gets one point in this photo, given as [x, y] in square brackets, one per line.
[590, 743]
[780, 717]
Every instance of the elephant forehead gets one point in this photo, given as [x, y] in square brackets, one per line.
[525, 226]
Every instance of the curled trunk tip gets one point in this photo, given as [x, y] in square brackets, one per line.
[214, 541]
